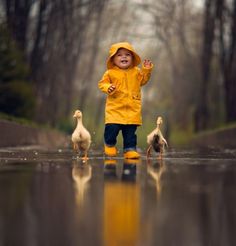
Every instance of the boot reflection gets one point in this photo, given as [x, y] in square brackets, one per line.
[125, 171]
[110, 168]
[155, 170]
[121, 203]
[129, 170]
[81, 174]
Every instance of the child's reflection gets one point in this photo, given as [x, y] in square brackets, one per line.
[110, 169]
[81, 174]
[121, 203]
[155, 170]
[125, 171]
[129, 170]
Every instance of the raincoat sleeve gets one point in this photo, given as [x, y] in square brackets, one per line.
[145, 74]
[105, 83]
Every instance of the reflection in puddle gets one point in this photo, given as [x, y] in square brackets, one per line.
[121, 203]
[81, 174]
[155, 170]
[52, 201]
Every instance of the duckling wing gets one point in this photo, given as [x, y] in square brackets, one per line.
[156, 143]
[151, 136]
[84, 145]
[75, 136]
[81, 135]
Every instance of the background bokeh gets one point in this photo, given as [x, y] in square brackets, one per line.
[53, 53]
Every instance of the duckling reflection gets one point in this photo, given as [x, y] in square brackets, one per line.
[81, 174]
[156, 170]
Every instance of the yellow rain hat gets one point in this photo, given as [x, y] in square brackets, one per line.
[114, 48]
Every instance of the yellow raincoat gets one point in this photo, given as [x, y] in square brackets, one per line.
[123, 106]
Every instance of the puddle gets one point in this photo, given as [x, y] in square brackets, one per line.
[53, 198]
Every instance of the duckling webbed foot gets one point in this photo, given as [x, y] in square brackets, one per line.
[160, 156]
[149, 151]
[85, 158]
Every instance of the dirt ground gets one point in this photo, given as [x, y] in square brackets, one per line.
[13, 134]
[223, 138]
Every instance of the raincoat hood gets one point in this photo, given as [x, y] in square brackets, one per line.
[114, 48]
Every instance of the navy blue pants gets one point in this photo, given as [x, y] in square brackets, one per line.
[128, 132]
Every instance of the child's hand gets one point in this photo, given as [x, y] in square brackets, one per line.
[111, 88]
[147, 63]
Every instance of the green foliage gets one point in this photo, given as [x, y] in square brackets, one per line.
[16, 98]
[65, 125]
[180, 137]
[16, 91]
[216, 130]
[22, 121]
[12, 65]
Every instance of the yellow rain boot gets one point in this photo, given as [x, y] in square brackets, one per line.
[110, 162]
[110, 151]
[132, 161]
[132, 154]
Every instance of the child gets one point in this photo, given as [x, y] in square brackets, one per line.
[122, 83]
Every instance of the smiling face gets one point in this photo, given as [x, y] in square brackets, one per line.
[123, 58]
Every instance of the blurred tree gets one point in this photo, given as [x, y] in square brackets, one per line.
[104, 30]
[226, 20]
[16, 92]
[174, 24]
[60, 39]
[91, 49]
[17, 13]
[202, 112]
[220, 34]
[52, 36]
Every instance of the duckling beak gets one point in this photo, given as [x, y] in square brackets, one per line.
[77, 114]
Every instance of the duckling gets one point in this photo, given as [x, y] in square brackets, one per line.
[156, 140]
[81, 138]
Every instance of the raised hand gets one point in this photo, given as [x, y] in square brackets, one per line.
[147, 63]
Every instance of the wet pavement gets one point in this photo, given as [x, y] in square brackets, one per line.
[52, 198]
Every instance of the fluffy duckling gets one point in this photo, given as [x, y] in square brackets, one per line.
[81, 138]
[156, 140]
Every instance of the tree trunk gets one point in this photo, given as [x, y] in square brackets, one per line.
[17, 20]
[202, 111]
[230, 73]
